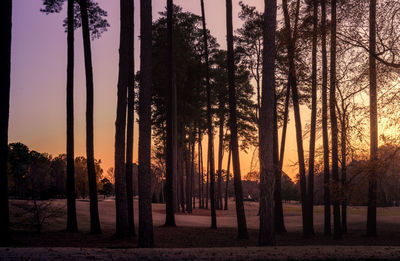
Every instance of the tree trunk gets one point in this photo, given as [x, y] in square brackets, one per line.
[267, 175]
[227, 180]
[123, 227]
[5, 61]
[284, 129]
[188, 175]
[310, 208]
[200, 173]
[220, 151]
[209, 123]
[208, 180]
[344, 159]
[146, 238]
[278, 208]
[372, 182]
[299, 136]
[171, 126]
[237, 179]
[334, 128]
[192, 170]
[130, 120]
[94, 212]
[72, 223]
[325, 138]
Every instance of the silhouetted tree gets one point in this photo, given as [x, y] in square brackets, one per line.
[146, 238]
[5, 57]
[123, 219]
[171, 144]
[334, 128]
[267, 175]
[372, 182]
[241, 217]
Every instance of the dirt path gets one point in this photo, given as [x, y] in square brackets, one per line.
[251, 253]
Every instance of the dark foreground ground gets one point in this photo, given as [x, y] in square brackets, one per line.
[192, 239]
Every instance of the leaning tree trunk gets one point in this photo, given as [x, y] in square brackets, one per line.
[334, 128]
[171, 163]
[237, 180]
[209, 123]
[296, 105]
[278, 207]
[5, 61]
[325, 138]
[72, 223]
[284, 128]
[227, 180]
[121, 196]
[310, 208]
[267, 175]
[94, 211]
[372, 182]
[146, 238]
[130, 121]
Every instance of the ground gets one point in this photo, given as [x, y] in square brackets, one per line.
[194, 238]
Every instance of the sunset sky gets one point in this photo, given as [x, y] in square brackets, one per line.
[38, 78]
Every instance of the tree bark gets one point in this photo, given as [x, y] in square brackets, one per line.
[146, 238]
[130, 120]
[237, 179]
[267, 175]
[344, 170]
[94, 211]
[325, 138]
[372, 181]
[220, 150]
[310, 195]
[209, 123]
[334, 128]
[72, 223]
[5, 65]
[171, 160]
[284, 129]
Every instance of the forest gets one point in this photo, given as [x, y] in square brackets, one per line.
[200, 109]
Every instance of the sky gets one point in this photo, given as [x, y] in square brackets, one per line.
[38, 78]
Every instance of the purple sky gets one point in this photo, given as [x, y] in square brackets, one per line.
[38, 75]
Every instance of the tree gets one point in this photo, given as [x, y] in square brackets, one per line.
[267, 175]
[237, 179]
[146, 238]
[210, 153]
[52, 6]
[5, 57]
[124, 225]
[334, 128]
[313, 120]
[171, 144]
[130, 122]
[372, 182]
[325, 138]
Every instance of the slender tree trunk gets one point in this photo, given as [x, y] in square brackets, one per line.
[200, 174]
[299, 136]
[372, 182]
[181, 178]
[310, 208]
[171, 125]
[267, 175]
[192, 194]
[344, 159]
[5, 65]
[325, 138]
[72, 223]
[237, 179]
[278, 207]
[188, 175]
[227, 180]
[220, 151]
[208, 180]
[123, 227]
[210, 125]
[334, 128]
[146, 238]
[94, 212]
[130, 120]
